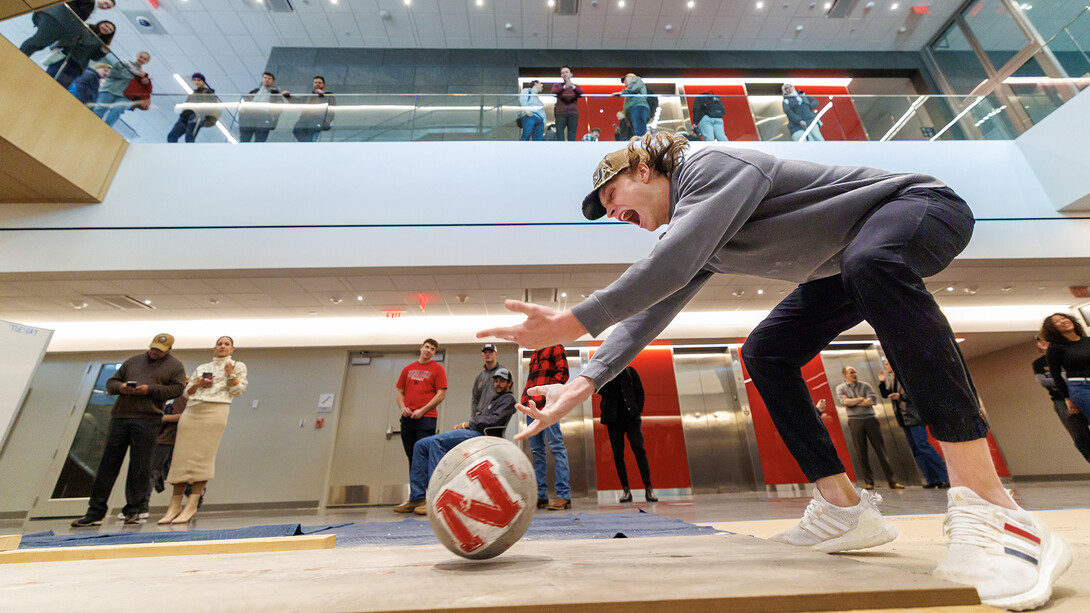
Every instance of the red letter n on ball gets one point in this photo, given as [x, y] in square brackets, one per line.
[499, 511]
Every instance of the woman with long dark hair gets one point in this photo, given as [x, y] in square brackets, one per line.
[1069, 350]
[84, 45]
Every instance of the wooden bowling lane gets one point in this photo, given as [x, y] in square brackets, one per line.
[705, 573]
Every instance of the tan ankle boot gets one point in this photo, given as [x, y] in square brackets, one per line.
[189, 511]
[173, 510]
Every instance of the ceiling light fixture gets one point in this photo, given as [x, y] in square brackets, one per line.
[147, 302]
[480, 2]
[551, 3]
[408, 2]
[336, 299]
[359, 298]
[692, 3]
[760, 5]
[79, 305]
[620, 4]
[894, 6]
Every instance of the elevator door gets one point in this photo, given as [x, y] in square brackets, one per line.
[718, 431]
[369, 463]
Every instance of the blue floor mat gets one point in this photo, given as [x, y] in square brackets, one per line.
[411, 531]
[567, 526]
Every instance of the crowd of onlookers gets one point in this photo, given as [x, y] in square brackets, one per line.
[112, 88]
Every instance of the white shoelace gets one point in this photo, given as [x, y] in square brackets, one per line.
[815, 513]
[971, 526]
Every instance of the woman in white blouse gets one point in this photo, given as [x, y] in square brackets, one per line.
[212, 387]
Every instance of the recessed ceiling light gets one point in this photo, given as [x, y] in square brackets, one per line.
[1006, 288]
[563, 294]
[213, 301]
[894, 6]
[551, 3]
[480, 2]
[620, 4]
[79, 305]
[336, 299]
[828, 5]
[359, 298]
[147, 302]
[950, 288]
[408, 2]
[760, 292]
[760, 5]
[692, 3]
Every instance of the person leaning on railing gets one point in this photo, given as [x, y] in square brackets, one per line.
[78, 50]
[255, 120]
[85, 87]
[60, 22]
[191, 121]
[313, 121]
[111, 101]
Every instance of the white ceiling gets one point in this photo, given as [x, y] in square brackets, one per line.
[285, 294]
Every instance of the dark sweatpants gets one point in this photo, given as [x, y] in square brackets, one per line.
[1076, 425]
[868, 430]
[137, 436]
[629, 426]
[49, 31]
[914, 235]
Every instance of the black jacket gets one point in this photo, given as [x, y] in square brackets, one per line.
[903, 408]
[622, 397]
[707, 105]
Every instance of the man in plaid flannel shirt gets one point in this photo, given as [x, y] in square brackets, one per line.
[547, 366]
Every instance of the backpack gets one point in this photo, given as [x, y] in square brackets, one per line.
[140, 92]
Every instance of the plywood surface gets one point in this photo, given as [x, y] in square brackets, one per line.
[921, 544]
[9, 541]
[151, 550]
[649, 574]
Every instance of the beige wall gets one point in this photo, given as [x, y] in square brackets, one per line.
[1027, 429]
[264, 457]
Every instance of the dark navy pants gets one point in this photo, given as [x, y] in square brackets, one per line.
[912, 236]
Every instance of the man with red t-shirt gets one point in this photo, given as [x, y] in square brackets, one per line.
[420, 388]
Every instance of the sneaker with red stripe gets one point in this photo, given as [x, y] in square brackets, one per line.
[1009, 558]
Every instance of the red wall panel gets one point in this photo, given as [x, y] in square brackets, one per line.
[738, 119]
[776, 461]
[663, 436]
[842, 121]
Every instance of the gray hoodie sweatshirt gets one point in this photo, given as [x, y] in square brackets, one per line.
[736, 211]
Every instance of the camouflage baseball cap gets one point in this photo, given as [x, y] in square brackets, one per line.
[610, 166]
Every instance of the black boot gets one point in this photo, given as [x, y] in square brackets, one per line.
[627, 496]
[650, 493]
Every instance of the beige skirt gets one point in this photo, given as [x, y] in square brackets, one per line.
[199, 431]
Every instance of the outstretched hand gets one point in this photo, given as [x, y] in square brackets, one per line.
[559, 401]
[543, 327]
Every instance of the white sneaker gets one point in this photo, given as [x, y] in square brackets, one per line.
[1010, 559]
[141, 515]
[828, 528]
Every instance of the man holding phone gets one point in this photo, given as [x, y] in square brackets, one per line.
[142, 385]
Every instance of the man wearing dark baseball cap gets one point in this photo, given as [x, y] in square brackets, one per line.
[859, 242]
[142, 385]
[482, 385]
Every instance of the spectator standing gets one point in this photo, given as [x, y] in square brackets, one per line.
[858, 398]
[636, 107]
[621, 406]
[164, 449]
[255, 119]
[211, 389]
[111, 101]
[927, 458]
[801, 111]
[482, 385]
[318, 117]
[85, 87]
[566, 110]
[1075, 423]
[61, 21]
[533, 112]
[550, 133]
[708, 111]
[191, 121]
[592, 136]
[85, 45]
[420, 388]
[142, 384]
[1069, 361]
[622, 130]
[548, 366]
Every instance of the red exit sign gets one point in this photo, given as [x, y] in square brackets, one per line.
[1079, 291]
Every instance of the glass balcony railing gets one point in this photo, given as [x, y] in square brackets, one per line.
[112, 87]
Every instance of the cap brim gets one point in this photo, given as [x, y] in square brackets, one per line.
[592, 206]
[159, 347]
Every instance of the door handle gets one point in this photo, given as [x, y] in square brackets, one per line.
[390, 432]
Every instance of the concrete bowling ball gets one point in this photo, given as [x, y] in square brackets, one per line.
[481, 497]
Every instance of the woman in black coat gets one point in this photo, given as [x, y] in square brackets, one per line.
[86, 44]
[622, 405]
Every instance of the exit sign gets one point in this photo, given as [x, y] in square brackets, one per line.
[1079, 291]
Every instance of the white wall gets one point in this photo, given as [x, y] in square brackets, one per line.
[419, 185]
[1056, 151]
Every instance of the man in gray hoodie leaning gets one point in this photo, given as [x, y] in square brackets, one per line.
[859, 241]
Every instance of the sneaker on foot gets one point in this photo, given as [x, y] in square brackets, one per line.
[140, 515]
[408, 506]
[1010, 559]
[828, 528]
[135, 519]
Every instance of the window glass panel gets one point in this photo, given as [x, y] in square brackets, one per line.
[957, 60]
[995, 28]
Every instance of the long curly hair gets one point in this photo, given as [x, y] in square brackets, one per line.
[1050, 333]
[662, 152]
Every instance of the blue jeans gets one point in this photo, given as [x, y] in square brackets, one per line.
[930, 462]
[107, 108]
[541, 463]
[426, 455]
[814, 135]
[711, 128]
[639, 115]
[533, 128]
[1079, 392]
[914, 235]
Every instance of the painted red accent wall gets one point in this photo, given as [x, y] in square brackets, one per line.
[663, 436]
[842, 121]
[598, 112]
[738, 119]
[776, 461]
